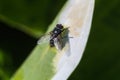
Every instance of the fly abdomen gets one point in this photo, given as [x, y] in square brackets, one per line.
[52, 43]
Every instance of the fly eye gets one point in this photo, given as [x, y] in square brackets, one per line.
[60, 26]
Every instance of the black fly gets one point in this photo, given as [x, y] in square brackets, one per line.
[53, 35]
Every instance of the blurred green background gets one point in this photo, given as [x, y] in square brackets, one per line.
[23, 21]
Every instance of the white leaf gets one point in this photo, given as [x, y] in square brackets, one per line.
[77, 15]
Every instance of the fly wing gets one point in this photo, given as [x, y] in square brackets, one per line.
[43, 39]
[58, 42]
[62, 39]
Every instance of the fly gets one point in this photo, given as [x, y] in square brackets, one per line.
[54, 36]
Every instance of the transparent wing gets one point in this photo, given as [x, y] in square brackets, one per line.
[62, 39]
[58, 42]
[43, 39]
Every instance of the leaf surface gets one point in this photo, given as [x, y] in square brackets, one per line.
[46, 63]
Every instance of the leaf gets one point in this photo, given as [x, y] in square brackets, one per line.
[46, 63]
[38, 66]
